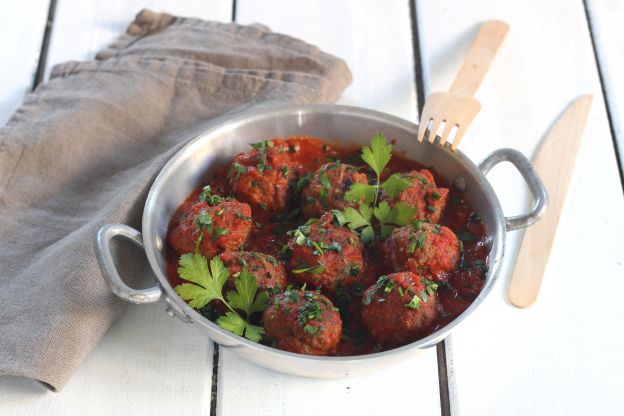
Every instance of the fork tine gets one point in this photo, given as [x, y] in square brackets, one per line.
[458, 136]
[434, 130]
[422, 127]
[447, 132]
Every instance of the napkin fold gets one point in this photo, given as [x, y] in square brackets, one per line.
[84, 148]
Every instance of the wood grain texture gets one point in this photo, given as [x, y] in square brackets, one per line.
[479, 58]
[564, 355]
[606, 17]
[147, 364]
[375, 40]
[554, 161]
[19, 50]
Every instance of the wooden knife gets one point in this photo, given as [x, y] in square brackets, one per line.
[554, 161]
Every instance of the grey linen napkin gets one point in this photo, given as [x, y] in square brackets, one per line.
[83, 150]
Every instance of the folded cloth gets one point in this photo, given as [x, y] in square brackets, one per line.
[84, 148]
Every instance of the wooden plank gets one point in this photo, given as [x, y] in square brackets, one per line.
[147, 362]
[85, 27]
[564, 354]
[375, 40]
[19, 50]
[605, 19]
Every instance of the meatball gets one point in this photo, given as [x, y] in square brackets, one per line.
[327, 188]
[308, 153]
[423, 195]
[261, 176]
[325, 255]
[269, 272]
[303, 322]
[423, 248]
[399, 308]
[211, 229]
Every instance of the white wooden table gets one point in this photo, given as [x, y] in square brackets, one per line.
[563, 356]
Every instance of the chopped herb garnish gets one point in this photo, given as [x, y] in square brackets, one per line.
[381, 281]
[218, 232]
[310, 329]
[207, 196]
[414, 303]
[314, 269]
[239, 169]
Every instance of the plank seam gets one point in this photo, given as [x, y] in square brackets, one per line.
[443, 380]
[604, 95]
[45, 43]
[234, 11]
[418, 67]
[214, 390]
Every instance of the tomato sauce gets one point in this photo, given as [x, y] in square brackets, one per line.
[268, 236]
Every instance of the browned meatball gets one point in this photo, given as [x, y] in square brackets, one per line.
[399, 308]
[423, 248]
[425, 196]
[308, 153]
[327, 188]
[325, 255]
[269, 272]
[261, 176]
[211, 229]
[303, 322]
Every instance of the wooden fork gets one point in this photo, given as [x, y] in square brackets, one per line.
[455, 110]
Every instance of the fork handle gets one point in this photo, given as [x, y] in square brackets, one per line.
[477, 62]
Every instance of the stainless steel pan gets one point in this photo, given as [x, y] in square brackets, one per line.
[217, 145]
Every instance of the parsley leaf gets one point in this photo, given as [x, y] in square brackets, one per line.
[401, 214]
[378, 154]
[359, 191]
[356, 218]
[232, 322]
[207, 285]
[395, 184]
[245, 297]
[382, 211]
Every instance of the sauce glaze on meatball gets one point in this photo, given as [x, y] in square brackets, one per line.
[425, 196]
[327, 188]
[267, 270]
[323, 255]
[261, 176]
[304, 322]
[211, 228]
[399, 308]
[423, 248]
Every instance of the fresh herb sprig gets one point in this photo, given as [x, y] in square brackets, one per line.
[207, 285]
[377, 156]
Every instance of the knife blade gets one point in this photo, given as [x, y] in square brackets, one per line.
[554, 161]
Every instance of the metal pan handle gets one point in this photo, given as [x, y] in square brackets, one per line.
[111, 276]
[540, 196]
